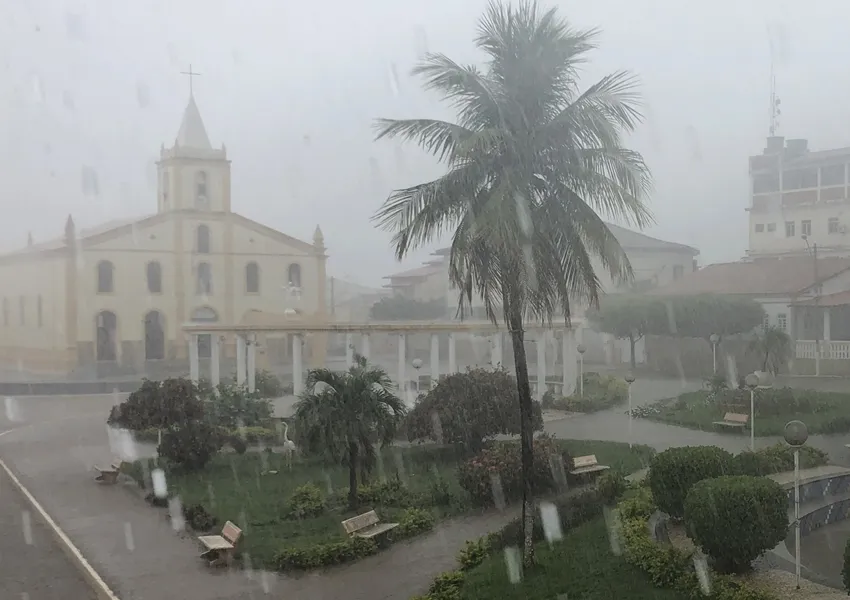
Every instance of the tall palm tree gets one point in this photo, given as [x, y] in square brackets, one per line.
[531, 164]
[774, 347]
[346, 414]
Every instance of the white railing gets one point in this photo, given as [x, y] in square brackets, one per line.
[829, 350]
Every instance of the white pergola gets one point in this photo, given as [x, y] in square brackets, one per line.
[246, 344]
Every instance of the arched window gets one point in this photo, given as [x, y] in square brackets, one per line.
[154, 336]
[252, 278]
[106, 338]
[154, 275]
[204, 285]
[201, 198]
[203, 239]
[105, 275]
[40, 311]
[294, 275]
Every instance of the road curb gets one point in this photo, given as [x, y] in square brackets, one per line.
[95, 581]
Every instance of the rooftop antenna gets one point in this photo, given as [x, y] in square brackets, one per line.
[775, 111]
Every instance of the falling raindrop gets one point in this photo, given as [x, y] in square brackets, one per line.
[75, 26]
[399, 462]
[90, 184]
[328, 484]
[26, 521]
[37, 89]
[420, 39]
[512, 562]
[551, 522]
[142, 95]
[211, 495]
[701, 567]
[128, 537]
[612, 522]
[438, 427]
[13, 411]
[175, 511]
[171, 50]
[160, 488]
[394, 83]
[498, 492]
[265, 582]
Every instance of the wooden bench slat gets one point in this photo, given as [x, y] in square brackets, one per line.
[586, 464]
[218, 549]
[366, 525]
[731, 419]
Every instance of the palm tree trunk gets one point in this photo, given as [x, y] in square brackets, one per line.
[526, 433]
[632, 343]
[352, 474]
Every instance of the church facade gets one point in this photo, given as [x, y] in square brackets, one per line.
[113, 300]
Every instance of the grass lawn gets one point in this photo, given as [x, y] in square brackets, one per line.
[581, 567]
[830, 413]
[232, 487]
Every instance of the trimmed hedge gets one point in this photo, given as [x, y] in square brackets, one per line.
[673, 472]
[670, 567]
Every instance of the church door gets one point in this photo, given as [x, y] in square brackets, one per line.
[154, 336]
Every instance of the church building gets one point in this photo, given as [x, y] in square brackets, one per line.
[113, 300]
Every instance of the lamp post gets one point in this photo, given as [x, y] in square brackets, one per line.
[417, 364]
[581, 349]
[796, 434]
[714, 339]
[630, 379]
[752, 382]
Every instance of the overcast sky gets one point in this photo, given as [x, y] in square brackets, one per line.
[292, 87]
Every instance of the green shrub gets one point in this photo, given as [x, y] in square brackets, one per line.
[734, 519]
[238, 444]
[254, 435]
[611, 485]
[503, 460]
[466, 409]
[673, 472]
[268, 385]
[473, 553]
[389, 493]
[446, 586]
[776, 459]
[325, 555]
[198, 518]
[233, 406]
[413, 521]
[440, 493]
[191, 446]
[306, 501]
[158, 405]
[845, 570]
[600, 392]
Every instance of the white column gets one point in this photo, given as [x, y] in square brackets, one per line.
[349, 350]
[194, 362]
[215, 359]
[496, 354]
[402, 363]
[365, 346]
[251, 362]
[452, 354]
[435, 359]
[541, 365]
[297, 368]
[570, 369]
[827, 333]
[240, 359]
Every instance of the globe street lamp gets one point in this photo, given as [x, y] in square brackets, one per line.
[581, 349]
[752, 382]
[714, 339]
[630, 379]
[796, 434]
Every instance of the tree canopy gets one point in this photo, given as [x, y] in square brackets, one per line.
[402, 308]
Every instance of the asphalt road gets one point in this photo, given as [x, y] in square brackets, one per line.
[32, 566]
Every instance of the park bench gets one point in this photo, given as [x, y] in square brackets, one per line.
[582, 465]
[734, 420]
[367, 525]
[219, 549]
[110, 474]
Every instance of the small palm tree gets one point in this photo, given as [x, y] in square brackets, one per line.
[530, 162]
[345, 414]
[774, 347]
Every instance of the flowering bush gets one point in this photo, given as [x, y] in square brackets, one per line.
[501, 466]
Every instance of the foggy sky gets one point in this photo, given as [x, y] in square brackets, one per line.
[292, 89]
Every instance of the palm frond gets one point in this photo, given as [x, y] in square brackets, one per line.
[439, 138]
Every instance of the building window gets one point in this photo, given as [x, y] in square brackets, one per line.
[39, 311]
[798, 179]
[759, 227]
[204, 284]
[806, 227]
[105, 273]
[202, 240]
[22, 306]
[154, 276]
[294, 276]
[201, 198]
[765, 322]
[771, 227]
[789, 229]
[154, 336]
[252, 278]
[832, 175]
[782, 321]
[678, 271]
[107, 327]
[832, 225]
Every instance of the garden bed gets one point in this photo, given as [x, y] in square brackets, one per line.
[823, 412]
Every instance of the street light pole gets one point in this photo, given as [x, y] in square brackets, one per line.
[630, 379]
[796, 434]
[714, 339]
[752, 381]
[581, 349]
[816, 289]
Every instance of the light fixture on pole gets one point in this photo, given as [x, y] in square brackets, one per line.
[714, 338]
[796, 434]
[752, 382]
[417, 364]
[581, 349]
[630, 379]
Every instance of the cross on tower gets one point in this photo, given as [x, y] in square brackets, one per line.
[191, 74]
